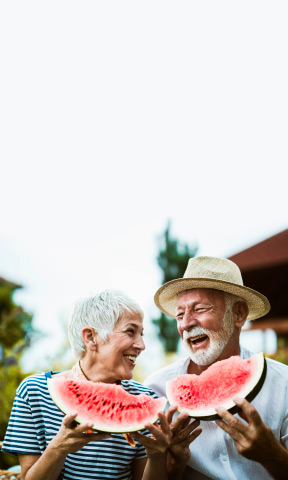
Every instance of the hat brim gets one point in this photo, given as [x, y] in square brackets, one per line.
[166, 296]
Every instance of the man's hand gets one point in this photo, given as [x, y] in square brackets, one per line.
[253, 439]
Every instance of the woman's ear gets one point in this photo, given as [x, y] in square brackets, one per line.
[240, 313]
[90, 338]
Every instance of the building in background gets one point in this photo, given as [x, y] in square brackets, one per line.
[264, 267]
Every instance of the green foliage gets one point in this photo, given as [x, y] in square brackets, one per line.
[10, 377]
[172, 258]
[15, 335]
[282, 352]
[15, 324]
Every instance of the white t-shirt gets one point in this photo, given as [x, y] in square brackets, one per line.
[213, 453]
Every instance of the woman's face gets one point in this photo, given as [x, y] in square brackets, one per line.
[116, 358]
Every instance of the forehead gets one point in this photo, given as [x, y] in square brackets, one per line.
[200, 295]
[131, 317]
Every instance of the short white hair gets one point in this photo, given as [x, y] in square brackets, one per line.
[100, 312]
[230, 300]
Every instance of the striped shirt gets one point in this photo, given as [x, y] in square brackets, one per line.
[35, 420]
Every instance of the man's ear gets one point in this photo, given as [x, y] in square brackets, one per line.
[240, 313]
[90, 338]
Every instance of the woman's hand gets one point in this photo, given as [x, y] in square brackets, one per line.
[160, 439]
[72, 436]
[184, 432]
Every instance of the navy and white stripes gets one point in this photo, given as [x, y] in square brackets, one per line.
[35, 420]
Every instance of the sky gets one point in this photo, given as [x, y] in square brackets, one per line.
[117, 117]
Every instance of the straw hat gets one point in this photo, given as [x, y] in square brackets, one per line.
[211, 272]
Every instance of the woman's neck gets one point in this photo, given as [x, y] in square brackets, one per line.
[85, 369]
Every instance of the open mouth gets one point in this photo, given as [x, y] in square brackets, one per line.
[199, 339]
[131, 359]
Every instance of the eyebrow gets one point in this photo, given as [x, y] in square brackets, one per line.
[193, 304]
[135, 325]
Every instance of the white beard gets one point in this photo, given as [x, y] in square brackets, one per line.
[218, 340]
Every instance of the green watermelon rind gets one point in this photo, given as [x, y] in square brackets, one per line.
[101, 426]
[249, 392]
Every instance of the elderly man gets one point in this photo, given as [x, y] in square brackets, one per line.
[211, 304]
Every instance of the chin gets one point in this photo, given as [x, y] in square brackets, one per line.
[128, 376]
[205, 357]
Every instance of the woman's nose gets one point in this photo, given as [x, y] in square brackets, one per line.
[140, 343]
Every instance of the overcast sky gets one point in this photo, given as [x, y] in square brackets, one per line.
[117, 116]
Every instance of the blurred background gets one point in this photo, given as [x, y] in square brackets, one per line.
[133, 136]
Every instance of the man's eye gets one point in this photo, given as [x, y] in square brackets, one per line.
[130, 331]
[179, 317]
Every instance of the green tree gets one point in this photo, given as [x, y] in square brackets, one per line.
[15, 336]
[172, 258]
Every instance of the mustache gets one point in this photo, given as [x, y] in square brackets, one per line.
[194, 332]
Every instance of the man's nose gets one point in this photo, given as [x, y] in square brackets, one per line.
[188, 321]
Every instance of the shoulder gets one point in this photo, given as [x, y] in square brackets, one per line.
[277, 368]
[273, 366]
[33, 381]
[32, 384]
[136, 388]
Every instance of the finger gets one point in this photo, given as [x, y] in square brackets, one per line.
[184, 425]
[164, 423]
[248, 410]
[146, 441]
[170, 412]
[154, 430]
[69, 420]
[243, 416]
[184, 436]
[236, 429]
[84, 427]
[193, 436]
[228, 429]
[186, 442]
[158, 434]
[180, 422]
[227, 416]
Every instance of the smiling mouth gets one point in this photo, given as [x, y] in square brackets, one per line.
[198, 339]
[131, 358]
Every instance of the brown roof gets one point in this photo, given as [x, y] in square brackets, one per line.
[268, 253]
[279, 325]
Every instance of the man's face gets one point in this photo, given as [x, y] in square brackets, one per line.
[204, 324]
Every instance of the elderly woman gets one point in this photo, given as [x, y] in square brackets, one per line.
[105, 332]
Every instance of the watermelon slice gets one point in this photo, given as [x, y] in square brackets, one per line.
[198, 395]
[108, 406]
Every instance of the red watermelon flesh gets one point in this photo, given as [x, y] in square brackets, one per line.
[108, 406]
[198, 395]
